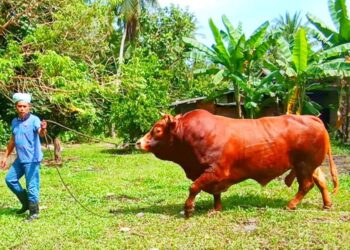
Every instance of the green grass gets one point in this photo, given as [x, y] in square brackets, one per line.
[339, 148]
[146, 196]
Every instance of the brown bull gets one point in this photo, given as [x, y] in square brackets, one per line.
[217, 152]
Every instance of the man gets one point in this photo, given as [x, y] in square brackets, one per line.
[26, 129]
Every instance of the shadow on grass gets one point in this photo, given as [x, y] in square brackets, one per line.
[230, 203]
[8, 211]
[120, 151]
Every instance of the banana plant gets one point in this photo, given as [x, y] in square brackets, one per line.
[295, 65]
[336, 66]
[335, 54]
[340, 18]
[232, 55]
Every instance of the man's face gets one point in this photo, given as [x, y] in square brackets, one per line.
[22, 108]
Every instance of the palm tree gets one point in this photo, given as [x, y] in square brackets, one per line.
[129, 12]
[288, 25]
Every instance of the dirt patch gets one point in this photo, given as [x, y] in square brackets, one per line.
[341, 161]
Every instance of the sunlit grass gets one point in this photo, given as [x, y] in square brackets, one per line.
[146, 196]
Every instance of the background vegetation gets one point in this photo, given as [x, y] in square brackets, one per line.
[109, 67]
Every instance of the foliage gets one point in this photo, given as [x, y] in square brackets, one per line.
[129, 12]
[337, 66]
[61, 66]
[161, 35]
[288, 25]
[143, 94]
[144, 197]
[340, 18]
[5, 133]
[155, 72]
[234, 55]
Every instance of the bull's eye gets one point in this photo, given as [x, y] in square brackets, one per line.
[158, 131]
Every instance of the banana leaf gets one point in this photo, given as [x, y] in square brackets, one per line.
[300, 51]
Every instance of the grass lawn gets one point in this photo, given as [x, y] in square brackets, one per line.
[146, 196]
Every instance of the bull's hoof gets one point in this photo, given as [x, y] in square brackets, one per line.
[328, 206]
[290, 208]
[188, 213]
[213, 212]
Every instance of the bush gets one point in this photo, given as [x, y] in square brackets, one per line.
[5, 134]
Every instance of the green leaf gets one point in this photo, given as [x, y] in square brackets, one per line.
[312, 108]
[324, 29]
[235, 34]
[300, 51]
[290, 72]
[336, 51]
[337, 68]
[219, 77]
[261, 50]
[257, 35]
[314, 86]
[284, 51]
[219, 47]
[344, 22]
[205, 71]
[197, 45]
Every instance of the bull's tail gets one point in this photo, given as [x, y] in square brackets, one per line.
[333, 170]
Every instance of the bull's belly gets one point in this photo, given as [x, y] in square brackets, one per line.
[263, 174]
[218, 187]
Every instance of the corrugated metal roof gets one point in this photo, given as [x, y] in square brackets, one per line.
[188, 101]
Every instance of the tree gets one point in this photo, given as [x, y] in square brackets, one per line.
[233, 54]
[288, 25]
[62, 66]
[129, 12]
[155, 72]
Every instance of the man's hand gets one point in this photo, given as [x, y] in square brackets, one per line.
[42, 130]
[3, 163]
[43, 124]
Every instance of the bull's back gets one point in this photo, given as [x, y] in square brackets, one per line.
[265, 148]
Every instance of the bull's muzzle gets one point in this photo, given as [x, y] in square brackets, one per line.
[138, 144]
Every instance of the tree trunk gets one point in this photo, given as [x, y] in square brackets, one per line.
[57, 150]
[292, 100]
[119, 71]
[113, 130]
[238, 101]
[121, 55]
[342, 124]
[347, 109]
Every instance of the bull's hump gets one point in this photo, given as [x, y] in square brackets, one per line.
[197, 113]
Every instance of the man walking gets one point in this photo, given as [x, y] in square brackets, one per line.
[26, 129]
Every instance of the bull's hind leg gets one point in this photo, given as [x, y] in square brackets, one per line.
[306, 182]
[321, 183]
[290, 178]
[217, 202]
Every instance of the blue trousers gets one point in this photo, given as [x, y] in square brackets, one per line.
[31, 171]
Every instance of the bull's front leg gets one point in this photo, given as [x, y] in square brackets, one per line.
[207, 181]
[189, 204]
